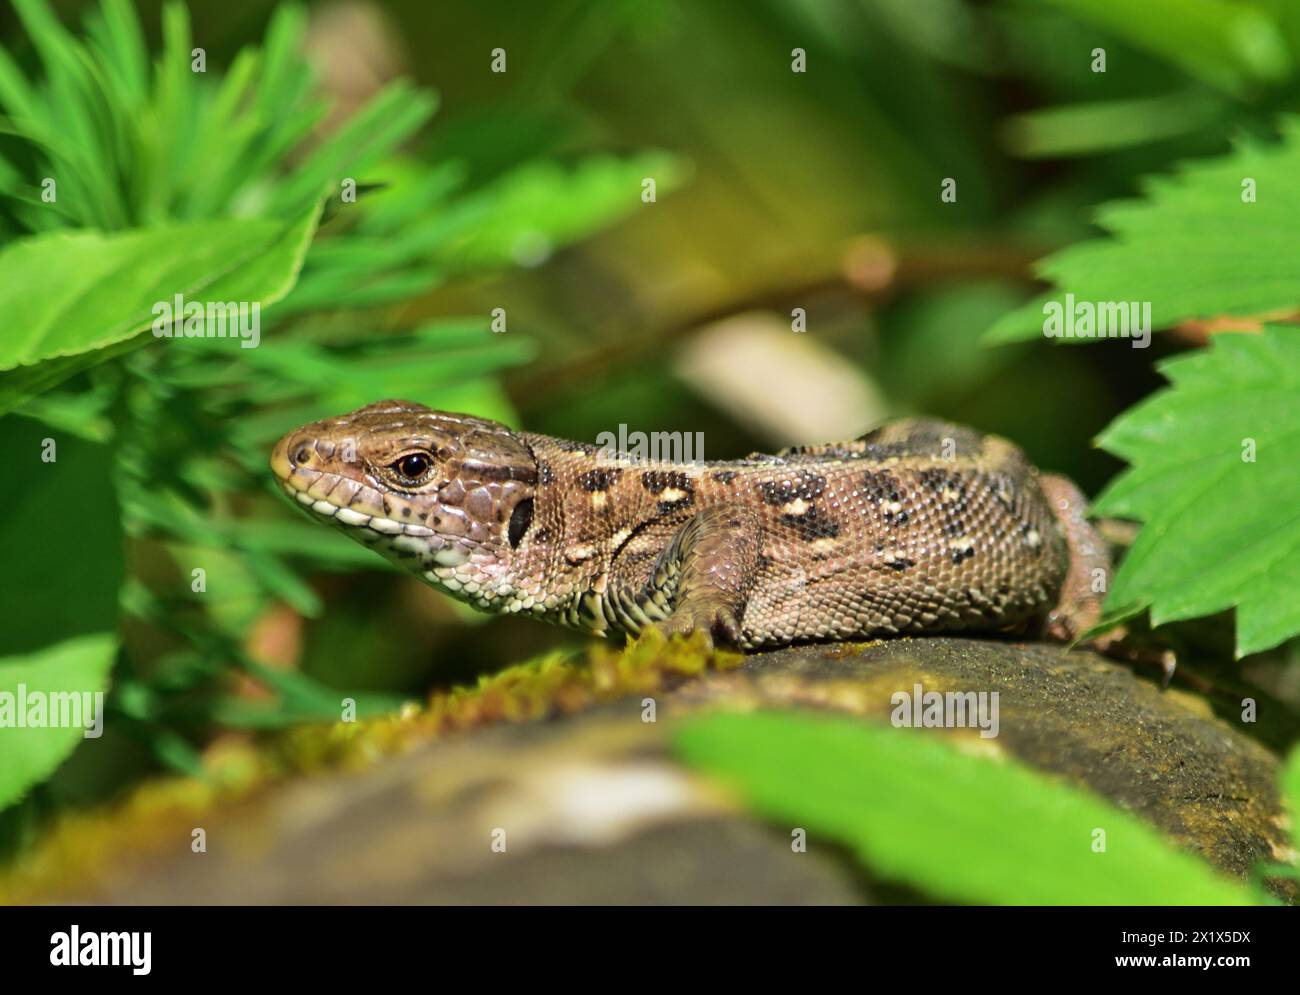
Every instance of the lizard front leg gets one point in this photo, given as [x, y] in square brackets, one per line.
[1079, 607]
[709, 569]
[1087, 580]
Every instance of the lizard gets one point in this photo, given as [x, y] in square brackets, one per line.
[920, 526]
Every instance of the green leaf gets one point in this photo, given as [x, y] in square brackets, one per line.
[961, 827]
[115, 32]
[1194, 248]
[74, 667]
[67, 294]
[527, 214]
[1103, 126]
[391, 116]
[1221, 530]
[62, 542]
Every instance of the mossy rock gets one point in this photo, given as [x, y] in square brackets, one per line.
[595, 808]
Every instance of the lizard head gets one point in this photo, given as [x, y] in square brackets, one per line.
[447, 496]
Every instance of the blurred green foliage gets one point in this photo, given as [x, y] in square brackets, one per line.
[210, 184]
[133, 144]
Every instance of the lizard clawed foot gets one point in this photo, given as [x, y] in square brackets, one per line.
[719, 625]
[1118, 644]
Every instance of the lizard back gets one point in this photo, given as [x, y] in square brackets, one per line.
[921, 526]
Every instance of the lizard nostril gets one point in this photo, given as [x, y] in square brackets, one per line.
[302, 455]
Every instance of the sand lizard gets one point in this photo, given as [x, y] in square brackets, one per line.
[918, 527]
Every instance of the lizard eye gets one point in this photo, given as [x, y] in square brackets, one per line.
[412, 466]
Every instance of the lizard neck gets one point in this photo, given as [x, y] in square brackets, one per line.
[592, 507]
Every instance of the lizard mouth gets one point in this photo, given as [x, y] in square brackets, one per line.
[401, 540]
[353, 518]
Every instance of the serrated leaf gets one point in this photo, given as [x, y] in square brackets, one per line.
[69, 294]
[961, 827]
[1193, 248]
[1220, 529]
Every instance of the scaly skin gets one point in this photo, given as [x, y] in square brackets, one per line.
[918, 527]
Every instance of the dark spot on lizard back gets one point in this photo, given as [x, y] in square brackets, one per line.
[724, 476]
[950, 488]
[934, 480]
[831, 451]
[880, 486]
[666, 507]
[657, 481]
[675, 489]
[804, 486]
[812, 525]
[600, 479]
[545, 475]
[893, 559]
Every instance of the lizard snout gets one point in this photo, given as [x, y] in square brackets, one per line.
[294, 449]
[307, 451]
